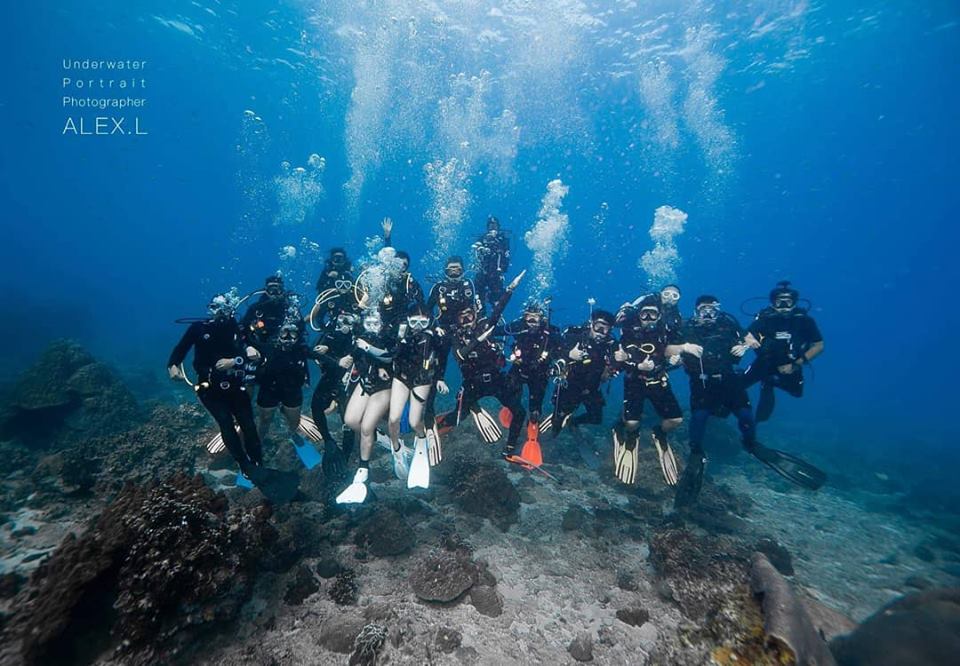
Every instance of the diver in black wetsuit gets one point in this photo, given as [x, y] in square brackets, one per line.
[333, 350]
[262, 320]
[785, 338]
[452, 294]
[535, 345]
[419, 364]
[492, 252]
[336, 268]
[370, 398]
[643, 353]
[584, 362]
[716, 388]
[219, 358]
[480, 356]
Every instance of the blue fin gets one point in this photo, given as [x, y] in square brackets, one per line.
[405, 419]
[243, 482]
[308, 454]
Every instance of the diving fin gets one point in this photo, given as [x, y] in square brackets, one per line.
[505, 416]
[668, 461]
[625, 456]
[405, 419]
[486, 425]
[307, 453]
[384, 441]
[277, 486]
[401, 461]
[688, 489]
[419, 475]
[216, 444]
[434, 446]
[333, 461]
[445, 422]
[790, 467]
[531, 448]
[308, 428]
[529, 466]
[243, 481]
[546, 424]
[586, 450]
[356, 492]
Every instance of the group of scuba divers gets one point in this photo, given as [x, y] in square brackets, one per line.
[383, 356]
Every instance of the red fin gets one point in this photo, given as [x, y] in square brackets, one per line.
[506, 417]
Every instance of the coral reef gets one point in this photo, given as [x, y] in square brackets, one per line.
[301, 586]
[385, 533]
[367, 644]
[581, 647]
[64, 396]
[448, 639]
[483, 489]
[161, 563]
[443, 576]
[345, 590]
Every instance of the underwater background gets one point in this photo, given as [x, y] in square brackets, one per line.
[806, 140]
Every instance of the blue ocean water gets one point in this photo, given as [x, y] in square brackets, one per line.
[810, 141]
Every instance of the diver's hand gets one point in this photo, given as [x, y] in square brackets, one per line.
[226, 364]
[321, 349]
[739, 350]
[362, 344]
[785, 369]
[383, 374]
[442, 387]
[174, 371]
[646, 366]
[387, 226]
[675, 359]
[577, 354]
[346, 362]
[253, 354]
[692, 349]
[516, 281]
[620, 356]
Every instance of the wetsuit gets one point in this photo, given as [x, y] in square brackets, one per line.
[534, 351]
[579, 381]
[417, 359]
[640, 386]
[330, 387]
[283, 373]
[716, 389]
[402, 293]
[222, 392]
[373, 366]
[261, 322]
[493, 259]
[783, 338]
[481, 364]
[448, 298]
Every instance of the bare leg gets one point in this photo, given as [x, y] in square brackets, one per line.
[377, 407]
[399, 393]
[418, 402]
[355, 407]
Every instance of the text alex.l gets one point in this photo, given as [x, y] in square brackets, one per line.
[103, 126]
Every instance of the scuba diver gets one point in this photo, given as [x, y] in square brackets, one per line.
[584, 362]
[643, 353]
[492, 252]
[480, 356]
[452, 294]
[333, 354]
[370, 401]
[336, 268]
[419, 367]
[669, 307]
[219, 359]
[785, 338]
[403, 290]
[261, 322]
[281, 376]
[535, 345]
[716, 388]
